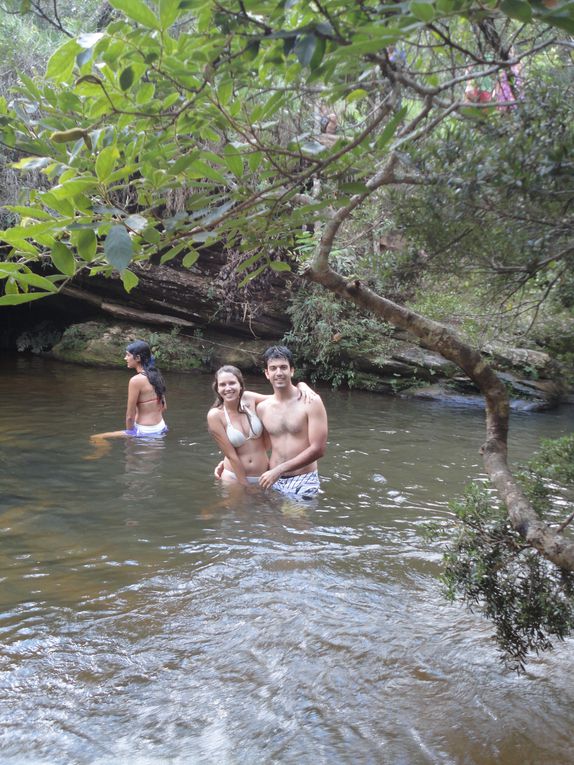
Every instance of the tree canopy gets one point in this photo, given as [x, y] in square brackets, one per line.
[226, 103]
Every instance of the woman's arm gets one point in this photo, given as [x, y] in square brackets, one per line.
[217, 432]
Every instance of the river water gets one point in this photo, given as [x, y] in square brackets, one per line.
[148, 617]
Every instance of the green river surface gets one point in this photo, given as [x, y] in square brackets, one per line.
[148, 617]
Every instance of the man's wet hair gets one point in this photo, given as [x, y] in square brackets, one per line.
[278, 352]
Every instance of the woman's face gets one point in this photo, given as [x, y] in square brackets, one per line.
[228, 386]
[131, 361]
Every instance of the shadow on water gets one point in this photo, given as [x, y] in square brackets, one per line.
[152, 616]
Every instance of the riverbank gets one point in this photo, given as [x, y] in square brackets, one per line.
[398, 366]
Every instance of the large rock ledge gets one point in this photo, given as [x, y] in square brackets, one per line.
[534, 380]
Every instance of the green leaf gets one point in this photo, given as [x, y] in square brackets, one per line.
[279, 265]
[72, 187]
[168, 12]
[269, 108]
[63, 259]
[199, 169]
[353, 188]
[317, 58]
[249, 262]
[126, 78]
[190, 258]
[254, 160]
[360, 47]
[30, 212]
[87, 244]
[422, 10]
[130, 280]
[106, 161]
[172, 252]
[118, 248]
[151, 235]
[61, 62]
[251, 51]
[33, 280]
[225, 91]
[233, 160]
[356, 95]
[32, 163]
[305, 48]
[138, 11]
[22, 297]
[517, 9]
[252, 275]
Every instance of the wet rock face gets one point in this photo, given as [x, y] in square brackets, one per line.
[98, 343]
[207, 295]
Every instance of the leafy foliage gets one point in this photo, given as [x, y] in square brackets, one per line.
[327, 332]
[224, 102]
[488, 565]
[501, 201]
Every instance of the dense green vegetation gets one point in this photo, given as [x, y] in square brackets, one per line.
[488, 566]
[400, 155]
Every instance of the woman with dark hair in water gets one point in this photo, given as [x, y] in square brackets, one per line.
[146, 393]
[146, 399]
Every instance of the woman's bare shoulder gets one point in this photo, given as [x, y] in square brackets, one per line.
[137, 380]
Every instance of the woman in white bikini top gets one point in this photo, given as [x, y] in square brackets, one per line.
[236, 437]
[234, 425]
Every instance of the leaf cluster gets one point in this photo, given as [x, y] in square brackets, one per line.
[488, 566]
[222, 101]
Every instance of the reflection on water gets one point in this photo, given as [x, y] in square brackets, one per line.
[152, 616]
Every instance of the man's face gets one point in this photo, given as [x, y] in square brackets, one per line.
[279, 373]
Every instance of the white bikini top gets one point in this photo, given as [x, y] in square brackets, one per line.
[236, 437]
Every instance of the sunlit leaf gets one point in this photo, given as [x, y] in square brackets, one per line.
[62, 61]
[105, 162]
[34, 280]
[63, 259]
[279, 265]
[22, 297]
[172, 252]
[190, 258]
[138, 11]
[233, 160]
[129, 279]
[87, 243]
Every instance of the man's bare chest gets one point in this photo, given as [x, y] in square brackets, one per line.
[283, 420]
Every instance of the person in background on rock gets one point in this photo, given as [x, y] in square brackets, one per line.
[146, 399]
[297, 431]
[234, 425]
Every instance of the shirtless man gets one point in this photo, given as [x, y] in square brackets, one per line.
[297, 431]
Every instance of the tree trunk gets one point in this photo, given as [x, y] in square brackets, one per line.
[548, 541]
